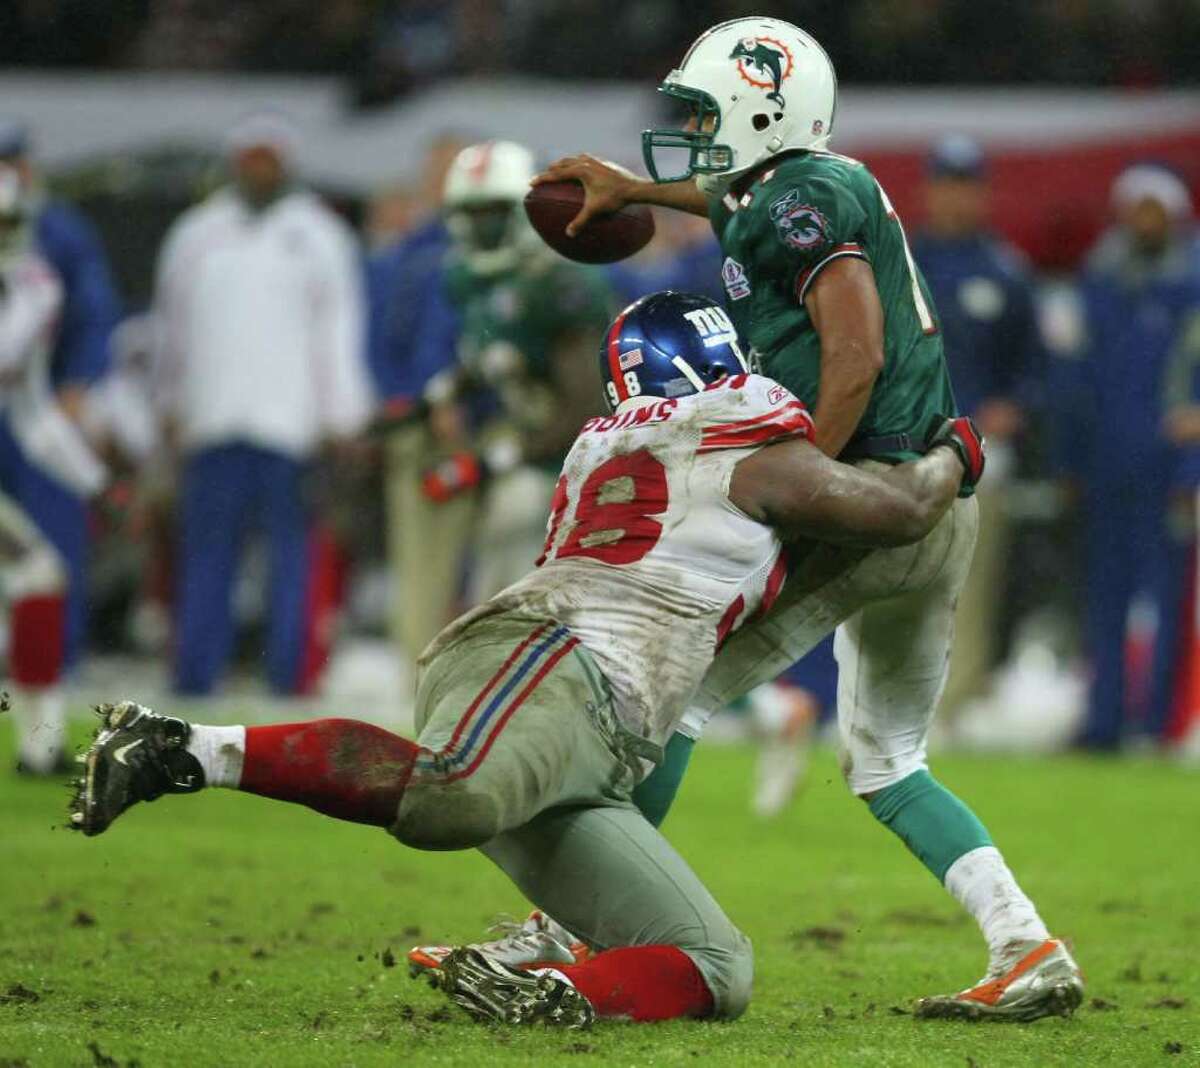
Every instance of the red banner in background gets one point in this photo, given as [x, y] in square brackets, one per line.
[1051, 202]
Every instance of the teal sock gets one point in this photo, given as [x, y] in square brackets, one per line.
[654, 794]
[935, 825]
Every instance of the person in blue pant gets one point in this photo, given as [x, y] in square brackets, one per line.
[91, 310]
[983, 290]
[261, 312]
[1139, 290]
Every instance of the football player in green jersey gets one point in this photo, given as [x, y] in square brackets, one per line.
[529, 319]
[821, 282]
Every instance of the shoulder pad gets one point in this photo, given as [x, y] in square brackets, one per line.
[747, 411]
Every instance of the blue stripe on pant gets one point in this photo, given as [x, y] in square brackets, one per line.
[61, 516]
[228, 492]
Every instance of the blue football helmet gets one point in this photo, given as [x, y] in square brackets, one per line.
[669, 345]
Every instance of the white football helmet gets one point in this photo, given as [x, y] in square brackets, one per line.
[753, 87]
[483, 201]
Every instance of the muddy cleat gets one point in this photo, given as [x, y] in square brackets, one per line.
[1043, 981]
[136, 755]
[489, 990]
[539, 942]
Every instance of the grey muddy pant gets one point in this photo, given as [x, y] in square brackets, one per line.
[522, 756]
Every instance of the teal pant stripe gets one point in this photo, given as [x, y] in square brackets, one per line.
[935, 825]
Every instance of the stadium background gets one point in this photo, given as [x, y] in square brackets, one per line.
[128, 108]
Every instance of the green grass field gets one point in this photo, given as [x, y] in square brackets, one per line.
[228, 930]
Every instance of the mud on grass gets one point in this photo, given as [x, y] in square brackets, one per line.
[228, 930]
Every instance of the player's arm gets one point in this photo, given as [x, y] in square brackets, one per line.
[848, 317]
[802, 493]
[609, 188]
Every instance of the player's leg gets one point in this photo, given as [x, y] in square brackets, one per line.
[215, 499]
[34, 581]
[61, 516]
[820, 593]
[823, 588]
[540, 939]
[664, 948]
[892, 660]
[977, 618]
[286, 521]
[513, 718]
[655, 794]
[426, 542]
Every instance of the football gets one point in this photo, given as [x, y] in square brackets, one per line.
[605, 239]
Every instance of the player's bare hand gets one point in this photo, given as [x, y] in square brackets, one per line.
[607, 187]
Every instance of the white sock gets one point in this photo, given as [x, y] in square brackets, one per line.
[981, 882]
[221, 751]
[41, 719]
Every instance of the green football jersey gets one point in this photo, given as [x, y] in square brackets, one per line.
[511, 322]
[797, 217]
[526, 310]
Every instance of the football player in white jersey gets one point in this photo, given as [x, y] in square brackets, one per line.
[539, 711]
[33, 577]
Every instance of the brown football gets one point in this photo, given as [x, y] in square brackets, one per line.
[605, 239]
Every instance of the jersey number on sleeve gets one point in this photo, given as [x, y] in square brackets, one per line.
[613, 519]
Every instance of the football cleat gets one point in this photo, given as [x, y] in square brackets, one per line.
[539, 942]
[489, 990]
[1042, 981]
[136, 755]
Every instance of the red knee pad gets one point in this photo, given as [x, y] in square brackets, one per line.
[36, 647]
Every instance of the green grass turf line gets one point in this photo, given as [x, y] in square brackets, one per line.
[229, 930]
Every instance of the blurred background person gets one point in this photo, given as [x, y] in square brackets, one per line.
[1139, 291]
[412, 336]
[80, 357]
[531, 325]
[261, 316]
[32, 572]
[983, 290]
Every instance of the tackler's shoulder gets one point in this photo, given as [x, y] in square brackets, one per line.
[747, 410]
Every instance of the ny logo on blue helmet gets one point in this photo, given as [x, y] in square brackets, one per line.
[668, 345]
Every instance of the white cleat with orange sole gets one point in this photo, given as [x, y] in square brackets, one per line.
[1042, 980]
[539, 942]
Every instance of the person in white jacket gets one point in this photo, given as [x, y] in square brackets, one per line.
[33, 576]
[260, 315]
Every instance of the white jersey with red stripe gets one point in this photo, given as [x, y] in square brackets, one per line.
[647, 561]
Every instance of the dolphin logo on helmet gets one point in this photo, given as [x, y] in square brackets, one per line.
[770, 58]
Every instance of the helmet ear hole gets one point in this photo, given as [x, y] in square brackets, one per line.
[760, 121]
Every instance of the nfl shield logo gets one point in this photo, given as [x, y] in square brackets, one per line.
[733, 274]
